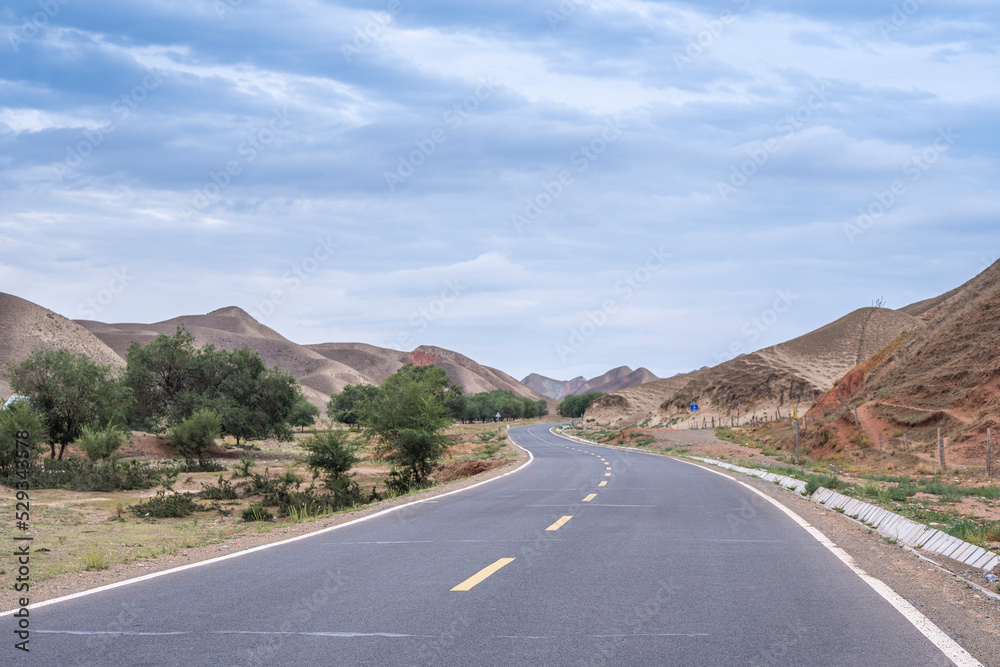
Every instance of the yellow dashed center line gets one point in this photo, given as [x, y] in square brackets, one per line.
[603, 484]
[560, 523]
[590, 497]
[482, 575]
[607, 474]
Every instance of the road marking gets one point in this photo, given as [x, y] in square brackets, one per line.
[603, 484]
[927, 628]
[608, 468]
[483, 575]
[263, 547]
[607, 474]
[560, 523]
[590, 497]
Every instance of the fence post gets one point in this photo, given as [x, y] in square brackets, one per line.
[941, 450]
[796, 440]
[989, 455]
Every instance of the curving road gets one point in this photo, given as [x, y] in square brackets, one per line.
[661, 563]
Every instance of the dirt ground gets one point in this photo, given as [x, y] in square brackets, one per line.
[73, 582]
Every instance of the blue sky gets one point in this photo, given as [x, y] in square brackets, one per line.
[543, 186]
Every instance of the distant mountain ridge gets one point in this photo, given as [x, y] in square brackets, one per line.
[765, 382]
[616, 379]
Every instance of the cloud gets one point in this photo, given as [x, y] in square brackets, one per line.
[412, 136]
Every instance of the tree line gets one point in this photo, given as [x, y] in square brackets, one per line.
[166, 382]
[575, 406]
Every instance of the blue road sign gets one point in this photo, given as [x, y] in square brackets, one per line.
[694, 407]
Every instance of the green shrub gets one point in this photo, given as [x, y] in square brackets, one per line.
[101, 444]
[20, 417]
[900, 493]
[193, 436]
[224, 491]
[242, 469]
[162, 506]
[257, 512]
[331, 454]
[400, 481]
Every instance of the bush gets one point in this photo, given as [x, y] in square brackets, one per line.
[331, 454]
[257, 512]
[400, 481]
[193, 436]
[224, 491]
[242, 469]
[20, 417]
[100, 444]
[102, 476]
[162, 506]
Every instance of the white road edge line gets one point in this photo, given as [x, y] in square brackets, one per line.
[154, 575]
[936, 635]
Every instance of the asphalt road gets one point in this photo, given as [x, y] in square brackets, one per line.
[665, 564]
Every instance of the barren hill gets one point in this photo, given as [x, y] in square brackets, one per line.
[26, 327]
[615, 379]
[472, 377]
[231, 328]
[764, 382]
[378, 363]
[554, 389]
[946, 374]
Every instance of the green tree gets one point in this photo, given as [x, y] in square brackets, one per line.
[251, 400]
[331, 454]
[158, 373]
[20, 418]
[303, 413]
[100, 444]
[575, 406]
[406, 419]
[71, 391]
[193, 436]
[346, 407]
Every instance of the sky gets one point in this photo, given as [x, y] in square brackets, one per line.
[552, 187]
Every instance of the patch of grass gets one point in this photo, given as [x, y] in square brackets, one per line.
[643, 442]
[257, 512]
[94, 560]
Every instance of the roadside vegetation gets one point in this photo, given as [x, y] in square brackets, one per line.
[575, 406]
[94, 504]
